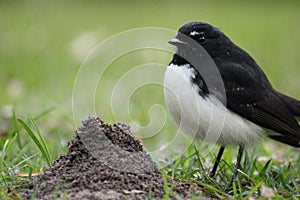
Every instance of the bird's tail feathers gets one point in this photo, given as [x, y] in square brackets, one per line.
[290, 140]
[293, 105]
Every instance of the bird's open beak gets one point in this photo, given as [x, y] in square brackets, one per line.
[176, 42]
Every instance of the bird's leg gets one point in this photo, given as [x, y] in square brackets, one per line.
[213, 171]
[238, 164]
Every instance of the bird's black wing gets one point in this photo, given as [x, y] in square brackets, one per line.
[252, 97]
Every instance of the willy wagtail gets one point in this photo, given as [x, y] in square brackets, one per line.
[253, 108]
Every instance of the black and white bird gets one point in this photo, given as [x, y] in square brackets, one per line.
[253, 108]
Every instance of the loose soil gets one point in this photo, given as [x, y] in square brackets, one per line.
[90, 171]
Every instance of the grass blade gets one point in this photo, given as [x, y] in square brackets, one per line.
[40, 144]
[252, 191]
[16, 129]
[216, 191]
[43, 143]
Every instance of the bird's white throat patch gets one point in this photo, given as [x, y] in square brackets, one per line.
[204, 118]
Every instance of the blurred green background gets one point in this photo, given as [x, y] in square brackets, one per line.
[43, 43]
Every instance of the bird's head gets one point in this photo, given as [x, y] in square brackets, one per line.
[194, 34]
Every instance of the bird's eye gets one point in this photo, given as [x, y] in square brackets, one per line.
[202, 37]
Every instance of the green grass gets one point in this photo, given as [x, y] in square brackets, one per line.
[281, 178]
[41, 51]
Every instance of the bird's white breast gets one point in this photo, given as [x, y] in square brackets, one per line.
[204, 118]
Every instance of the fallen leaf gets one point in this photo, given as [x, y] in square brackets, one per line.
[267, 192]
[26, 174]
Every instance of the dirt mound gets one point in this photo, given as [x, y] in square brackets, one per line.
[91, 169]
